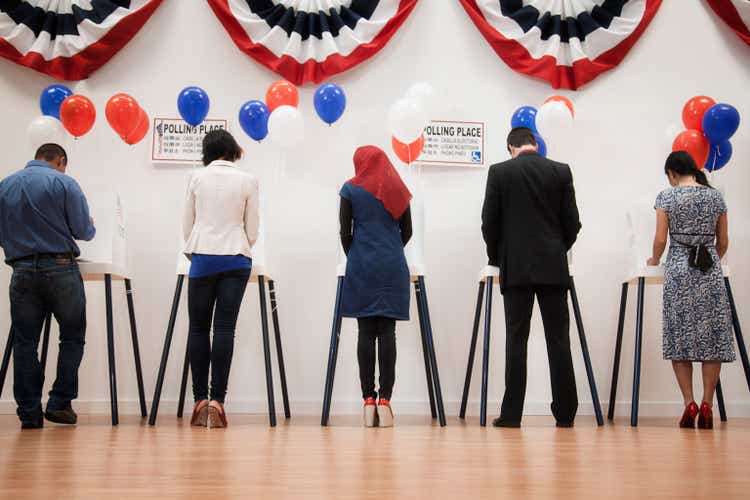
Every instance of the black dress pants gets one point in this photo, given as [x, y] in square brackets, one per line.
[384, 330]
[553, 303]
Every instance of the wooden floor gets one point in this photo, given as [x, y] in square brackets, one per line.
[416, 459]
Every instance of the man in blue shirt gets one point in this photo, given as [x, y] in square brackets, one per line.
[42, 213]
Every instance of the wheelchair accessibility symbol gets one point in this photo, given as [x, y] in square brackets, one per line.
[476, 156]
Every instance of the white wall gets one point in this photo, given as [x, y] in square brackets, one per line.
[626, 120]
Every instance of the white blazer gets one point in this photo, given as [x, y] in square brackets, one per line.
[221, 211]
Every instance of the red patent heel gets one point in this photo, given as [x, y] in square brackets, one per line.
[688, 417]
[705, 417]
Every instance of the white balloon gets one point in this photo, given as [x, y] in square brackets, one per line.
[286, 127]
[407, 120]
[425, 94]
[554, 121]
[45, 130]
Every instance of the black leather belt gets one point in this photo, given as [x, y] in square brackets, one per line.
[39, 256]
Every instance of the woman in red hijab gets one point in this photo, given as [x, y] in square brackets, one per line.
[376, 285]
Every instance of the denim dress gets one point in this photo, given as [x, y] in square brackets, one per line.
[377, 276]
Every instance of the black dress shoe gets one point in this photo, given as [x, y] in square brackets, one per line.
[500, 422]
[64, 416]
[32, 424]
[562, 424]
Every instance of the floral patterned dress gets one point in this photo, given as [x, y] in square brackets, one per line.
[697, 318]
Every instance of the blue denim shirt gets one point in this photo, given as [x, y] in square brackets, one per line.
[42, 211]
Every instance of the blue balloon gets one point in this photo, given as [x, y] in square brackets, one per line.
[254, 119]
[541, 145]
[720, 122]
[719, 156]
[51, 99]
[193, 104]
[524, 117]
[330, 102]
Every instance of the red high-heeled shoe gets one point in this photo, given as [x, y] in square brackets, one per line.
[688, 416]
[705, 417]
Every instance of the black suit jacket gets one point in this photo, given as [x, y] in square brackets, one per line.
[530, 220]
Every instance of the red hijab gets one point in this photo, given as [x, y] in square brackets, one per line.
[376, 175]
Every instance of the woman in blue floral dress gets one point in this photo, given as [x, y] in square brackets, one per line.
[697, 317]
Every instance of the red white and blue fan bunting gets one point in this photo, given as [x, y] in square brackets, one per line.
[310, 40]
[566, 42]
[736, 13]
[69, 39]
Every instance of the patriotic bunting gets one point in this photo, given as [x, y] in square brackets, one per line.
[69, 39]
[566, 42]
[311, 40]
[736, 13]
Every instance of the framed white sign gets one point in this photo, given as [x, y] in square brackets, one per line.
[453, 143]
[174, 141]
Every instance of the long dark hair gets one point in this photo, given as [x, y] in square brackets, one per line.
[682, 164]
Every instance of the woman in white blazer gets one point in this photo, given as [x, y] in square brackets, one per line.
[220, 227]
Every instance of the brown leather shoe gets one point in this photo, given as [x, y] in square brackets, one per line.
[200, 414]
[217, 419]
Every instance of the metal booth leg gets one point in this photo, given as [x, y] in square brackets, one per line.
[720, 401]
[431, 351]
[333, 352]
[738, 333]
[165, 351]
[279, 351]
[136, 348]
[267, 350]
[486, 352]
[425, 352]
[184, 381]
[472, 351]
[638, 349]
[586, 354]
[111, 348]
[618, 352]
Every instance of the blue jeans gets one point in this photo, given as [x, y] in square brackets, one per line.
[40, 287]
[218, 296]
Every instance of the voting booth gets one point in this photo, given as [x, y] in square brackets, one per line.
[641, 227]
[488, 276]
[260, 274]
[414, 251]
[103, 259]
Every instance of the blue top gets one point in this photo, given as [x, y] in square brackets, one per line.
[202, 265]
[377, 276]
[42, 211]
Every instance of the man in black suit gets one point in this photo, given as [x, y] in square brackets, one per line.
[529, 222]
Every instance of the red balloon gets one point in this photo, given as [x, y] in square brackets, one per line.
[141, 129]
[77, 114]
[408, 153]
[693, 111]
[282, 93]
[122, 113]
[563, 100]
[695, 144]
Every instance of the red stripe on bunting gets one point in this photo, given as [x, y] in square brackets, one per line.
[546, 68]
[728, 12]
[310, 71]
[93, 57]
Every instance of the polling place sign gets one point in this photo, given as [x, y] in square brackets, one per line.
[174, 141]
[453, 143]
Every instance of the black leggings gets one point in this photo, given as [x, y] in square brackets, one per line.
[218, 296]
[384, 329]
